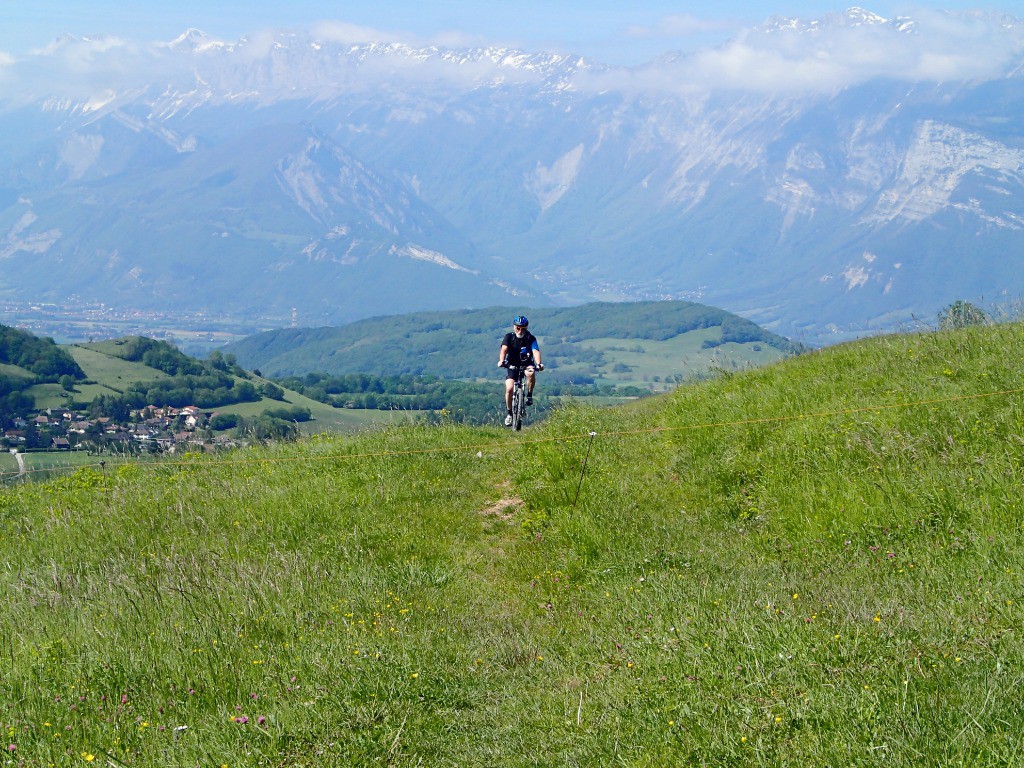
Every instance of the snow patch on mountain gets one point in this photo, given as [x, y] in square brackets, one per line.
[419, 253]
[19, 240]
[177, 142]
[851, 18]
[79, 152]
[549, 184]
[197, 41]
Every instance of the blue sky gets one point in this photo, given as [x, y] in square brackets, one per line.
[613, 31]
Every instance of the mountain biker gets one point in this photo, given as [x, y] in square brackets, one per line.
[519, 348]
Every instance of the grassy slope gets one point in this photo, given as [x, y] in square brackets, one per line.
[326, 418]
[113, 374]
[14, 371]
[682, 354]
[110, 374]
[788, 588]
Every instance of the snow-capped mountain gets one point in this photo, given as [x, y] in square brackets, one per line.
[824, 177]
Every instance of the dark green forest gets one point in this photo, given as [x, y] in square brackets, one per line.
[458, 343]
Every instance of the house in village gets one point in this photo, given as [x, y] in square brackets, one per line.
[149, 428]
[13, 437]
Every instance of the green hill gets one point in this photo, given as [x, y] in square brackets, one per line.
[119, 369]
[814, 563]
[612, 343]
[27, 361]
[114, 366]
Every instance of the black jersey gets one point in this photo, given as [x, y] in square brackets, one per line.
[519, 350]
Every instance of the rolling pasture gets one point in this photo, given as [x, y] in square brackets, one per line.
[814, 563]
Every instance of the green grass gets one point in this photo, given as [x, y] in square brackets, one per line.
[681, 355]
[51, 396]
[325, 418]
[14, 371]
[45, 465]
[44, 460]
[112, 375]
[815, 563]
[99, 362]
[7, 462]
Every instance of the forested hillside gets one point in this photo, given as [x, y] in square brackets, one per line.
[27, 360]
[464, 343]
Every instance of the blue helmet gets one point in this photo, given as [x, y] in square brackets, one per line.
[521, 320]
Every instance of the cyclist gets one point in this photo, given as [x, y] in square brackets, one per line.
[519, 348]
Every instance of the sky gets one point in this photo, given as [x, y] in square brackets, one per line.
[609, 31]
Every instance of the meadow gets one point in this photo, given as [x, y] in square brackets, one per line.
[661, 364]
[325, 418]
[816, 563]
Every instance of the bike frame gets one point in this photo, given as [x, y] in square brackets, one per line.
[518, 395]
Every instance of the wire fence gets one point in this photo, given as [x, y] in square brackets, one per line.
[163, 462]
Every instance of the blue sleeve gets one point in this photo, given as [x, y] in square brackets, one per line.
[534, 346]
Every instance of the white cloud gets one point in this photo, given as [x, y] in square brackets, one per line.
[830, 56]
[785, 57]
[81, 68]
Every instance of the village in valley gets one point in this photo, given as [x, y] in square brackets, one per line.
[148, 430]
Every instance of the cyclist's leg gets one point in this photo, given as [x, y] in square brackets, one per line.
[531, 381]
[509, 383]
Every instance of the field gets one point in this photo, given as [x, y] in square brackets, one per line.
[13, 371]
[326, 418]
[111, 370]
[43, 465]
[111, 375]
[646, 362]
[816, 563]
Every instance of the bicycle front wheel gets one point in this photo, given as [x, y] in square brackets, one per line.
[519, 408]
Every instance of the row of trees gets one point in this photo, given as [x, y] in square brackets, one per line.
[468, 402]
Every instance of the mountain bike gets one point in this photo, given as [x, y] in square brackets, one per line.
[519, 394]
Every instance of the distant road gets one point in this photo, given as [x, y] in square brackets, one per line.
[21, 463]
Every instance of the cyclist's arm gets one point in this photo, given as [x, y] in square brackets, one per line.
[502, 355]
[536, 355]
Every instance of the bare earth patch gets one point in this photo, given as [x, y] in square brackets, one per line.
[503, 508]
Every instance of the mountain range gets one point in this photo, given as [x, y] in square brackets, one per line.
[349, 179]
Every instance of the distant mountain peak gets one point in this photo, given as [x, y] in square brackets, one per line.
[195, 40]
[851, 17]
[859, 15]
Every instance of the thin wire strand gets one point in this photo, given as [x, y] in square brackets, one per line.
[509, 445]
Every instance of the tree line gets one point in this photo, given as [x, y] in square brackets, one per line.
[461, 401]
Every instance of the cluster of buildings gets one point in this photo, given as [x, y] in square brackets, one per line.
[150, 429]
